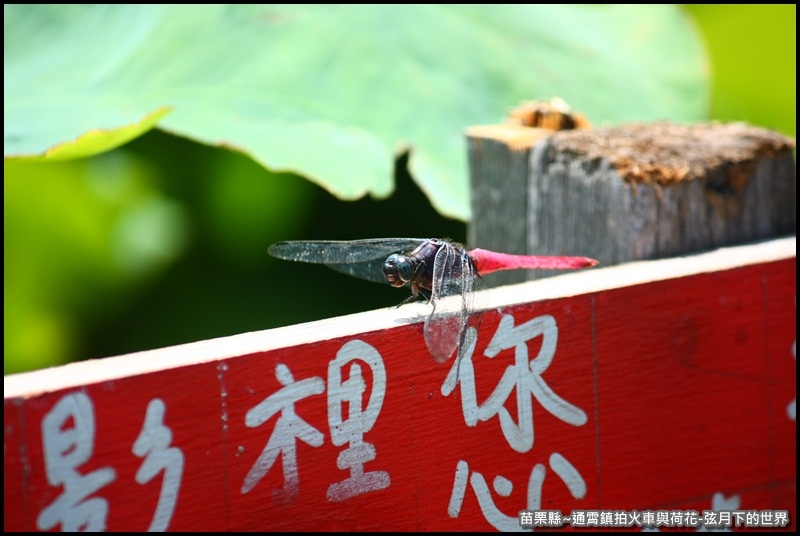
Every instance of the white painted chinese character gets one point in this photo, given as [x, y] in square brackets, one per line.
[68, 440]
[503, 487]
[153, 445]
[359, 421]
[525, 376]
[288, 429]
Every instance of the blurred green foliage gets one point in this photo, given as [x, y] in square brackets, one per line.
[753, 57]
[288, 85]
[163, 241]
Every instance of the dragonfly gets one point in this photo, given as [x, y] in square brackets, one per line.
[443, 272]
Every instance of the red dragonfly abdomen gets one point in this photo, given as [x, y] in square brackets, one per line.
[487, 262]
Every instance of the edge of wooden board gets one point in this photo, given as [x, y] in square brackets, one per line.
[28, 384]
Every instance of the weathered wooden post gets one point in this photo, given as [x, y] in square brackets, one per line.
[628, 192]
[658, 393]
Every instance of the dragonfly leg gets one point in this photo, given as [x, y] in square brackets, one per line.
[416, 292]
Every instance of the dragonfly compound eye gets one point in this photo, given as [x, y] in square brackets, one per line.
[398, 270]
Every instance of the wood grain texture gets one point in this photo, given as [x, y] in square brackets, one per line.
[636, 191]
[500, 214]
[659, 385]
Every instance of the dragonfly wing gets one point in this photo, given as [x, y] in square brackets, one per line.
[453, 283]
[370, 270]
[358, 258]
[342, 252]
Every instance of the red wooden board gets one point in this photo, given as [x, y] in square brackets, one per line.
[670, 395]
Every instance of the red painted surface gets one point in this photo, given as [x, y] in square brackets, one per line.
[683, 386]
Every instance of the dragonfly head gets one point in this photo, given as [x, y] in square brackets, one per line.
[398, 270]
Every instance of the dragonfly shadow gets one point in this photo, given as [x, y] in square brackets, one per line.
[423, 311]
[410, 319]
